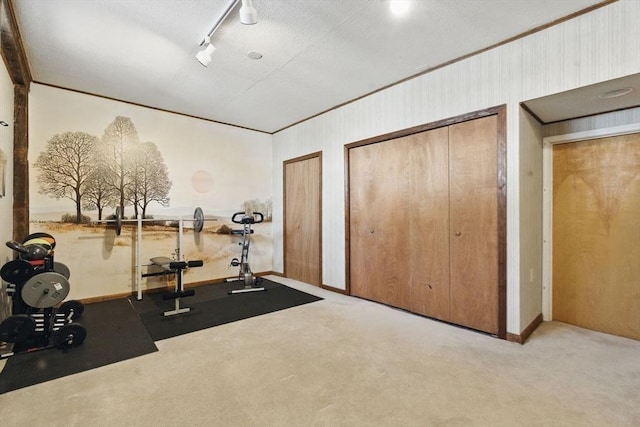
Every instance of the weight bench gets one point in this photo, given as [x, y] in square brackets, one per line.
[171, 266]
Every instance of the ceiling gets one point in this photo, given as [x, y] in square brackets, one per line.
[316, 54]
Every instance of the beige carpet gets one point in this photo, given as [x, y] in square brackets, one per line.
[348, 362]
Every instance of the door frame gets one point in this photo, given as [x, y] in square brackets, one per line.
[547, 200]
[317, 154]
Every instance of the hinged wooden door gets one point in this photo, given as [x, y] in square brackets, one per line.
[596, 234]
[303, 219]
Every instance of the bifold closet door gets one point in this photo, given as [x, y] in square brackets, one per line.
[596, 234]
[303, 219]
[398, 222]
[473, 178]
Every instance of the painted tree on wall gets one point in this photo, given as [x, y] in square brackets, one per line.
[149, 178]
[99, 193]
[95, 173]
[119, 138]
[65, 165]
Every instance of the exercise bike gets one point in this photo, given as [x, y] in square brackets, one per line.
[251, 283]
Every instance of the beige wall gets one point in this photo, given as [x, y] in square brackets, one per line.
[6, 145]
[6, 202]
[591, 48]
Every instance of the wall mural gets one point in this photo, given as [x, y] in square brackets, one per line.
[149, 163]
[3, 165]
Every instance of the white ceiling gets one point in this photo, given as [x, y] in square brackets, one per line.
[317, 54]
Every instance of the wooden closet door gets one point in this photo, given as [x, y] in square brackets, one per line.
[596, 234]
[303, 219]
[399, 222]
[474, 223]
[428, 236]
[379, 196]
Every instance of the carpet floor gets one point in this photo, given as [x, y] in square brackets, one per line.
[114, 333]
[122, 329]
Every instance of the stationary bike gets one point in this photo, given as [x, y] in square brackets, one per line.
[251, 283]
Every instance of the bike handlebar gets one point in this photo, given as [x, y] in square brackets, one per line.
[256, 218]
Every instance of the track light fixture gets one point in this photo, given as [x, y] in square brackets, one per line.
[248, 13]
[204, 55]
[248, 16]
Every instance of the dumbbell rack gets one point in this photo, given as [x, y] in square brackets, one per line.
[37, 322]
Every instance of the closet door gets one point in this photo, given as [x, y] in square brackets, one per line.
[474, 223]
[399, 222]
[303, 219]
[428, 236]
[378, 215]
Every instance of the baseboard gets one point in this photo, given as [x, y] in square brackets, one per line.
[103, 298]
[169, 288]
[327, 287]
[332, 289]
[275, 273]
[526, 333]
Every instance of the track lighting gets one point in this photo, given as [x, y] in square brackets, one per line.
[248, 13]
[204, 56]
[248, 16]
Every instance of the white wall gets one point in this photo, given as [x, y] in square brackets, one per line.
[600, 121]
[591, 48]
[6, 202]
[530, 290]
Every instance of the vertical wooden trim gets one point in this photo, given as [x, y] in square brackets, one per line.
[502, 220]
[13, 53]
[347, 223]
[20, 163]
[15, 59]
[317, 154]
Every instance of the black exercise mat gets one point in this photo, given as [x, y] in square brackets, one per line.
[212, 306]
[114, 333]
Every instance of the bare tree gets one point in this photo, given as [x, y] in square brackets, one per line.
[149, 178]
[64, 166]
[119, 138]
[99, 193]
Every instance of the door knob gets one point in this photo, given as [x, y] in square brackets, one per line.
[458, 233]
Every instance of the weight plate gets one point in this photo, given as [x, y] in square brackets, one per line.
[198, 220]
[45, 290]
[70, 335]
[37, 241]
[48, 237]
[71, 308]
[59, 267]
[17, 271]
[118, 221]
[17, 328]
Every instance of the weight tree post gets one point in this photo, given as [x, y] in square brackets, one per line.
[139, 258]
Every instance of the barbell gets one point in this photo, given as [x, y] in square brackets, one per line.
[198, 220]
